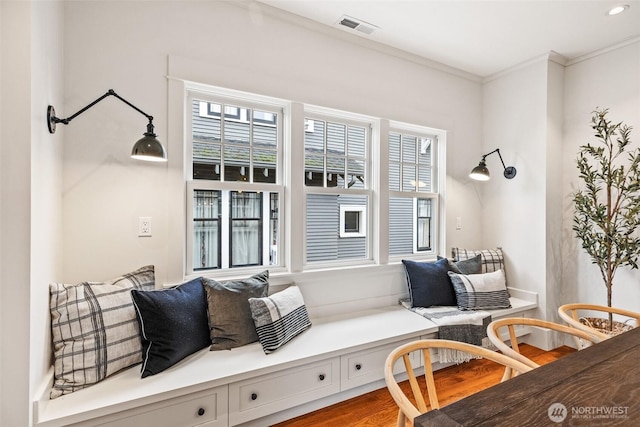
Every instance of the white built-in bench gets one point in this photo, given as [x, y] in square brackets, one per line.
[338, 358]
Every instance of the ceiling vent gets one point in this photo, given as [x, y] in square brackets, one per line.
[356, 24]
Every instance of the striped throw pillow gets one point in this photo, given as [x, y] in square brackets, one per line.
[279, 318]
[487, 291]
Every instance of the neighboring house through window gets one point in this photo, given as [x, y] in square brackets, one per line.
[235, 192]
[413, 191]
[338, 194]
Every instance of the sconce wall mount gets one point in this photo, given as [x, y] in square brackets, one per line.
[146, 148]
[481, 172]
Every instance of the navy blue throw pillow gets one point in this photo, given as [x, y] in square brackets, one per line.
[173, 324]
[429, 283]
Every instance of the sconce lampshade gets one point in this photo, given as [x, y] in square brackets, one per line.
[149, 148]
[480, 172]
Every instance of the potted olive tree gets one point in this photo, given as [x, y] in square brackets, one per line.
[607, 207]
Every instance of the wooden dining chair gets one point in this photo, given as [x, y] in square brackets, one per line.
[406, 409]
[570, 313]
[495, 335]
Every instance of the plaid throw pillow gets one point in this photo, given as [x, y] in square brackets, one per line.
[94, 329]
[492, 259]
[279, 318]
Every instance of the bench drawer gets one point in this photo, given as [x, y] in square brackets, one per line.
[366, 366]
[206, 408]
[267, 394]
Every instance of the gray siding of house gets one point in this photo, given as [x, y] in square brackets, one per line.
[204, 128]
[400, 226]
[323, 229]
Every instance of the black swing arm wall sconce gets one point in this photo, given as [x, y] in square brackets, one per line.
[481, 172]
[146, 148]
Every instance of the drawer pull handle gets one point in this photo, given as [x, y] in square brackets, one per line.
[254, 396]
[358, 366]
[201, 412]
[321, 376]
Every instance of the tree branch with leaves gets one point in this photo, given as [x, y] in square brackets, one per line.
[607, 209]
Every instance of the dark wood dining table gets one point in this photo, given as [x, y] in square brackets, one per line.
[597, 386]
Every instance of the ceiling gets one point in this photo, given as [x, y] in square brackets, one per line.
[481, 37]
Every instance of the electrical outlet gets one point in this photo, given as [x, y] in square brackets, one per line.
[144, 226]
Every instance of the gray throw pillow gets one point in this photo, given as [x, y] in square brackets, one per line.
[466, 266]
[230, 321]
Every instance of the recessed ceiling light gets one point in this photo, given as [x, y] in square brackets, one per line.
[618, 9]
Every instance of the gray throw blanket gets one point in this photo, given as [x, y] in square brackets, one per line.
[457, 325]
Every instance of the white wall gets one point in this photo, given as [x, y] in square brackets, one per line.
[253, 49]
[611, 80]
[2, 190]
[15, 181]
[554, 192]
[2, 266]
[46, 180]
[513, 210]
[31, 204]
[523, 113]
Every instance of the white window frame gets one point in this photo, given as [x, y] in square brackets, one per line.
[362, 221]
[438, 223]
[314, 112]
[254, 102]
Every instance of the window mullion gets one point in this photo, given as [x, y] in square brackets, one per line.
[225, 216]
[251, 147]
[380, 203]
[295, 197]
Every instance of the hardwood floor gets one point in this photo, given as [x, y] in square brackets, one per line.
[377, 409]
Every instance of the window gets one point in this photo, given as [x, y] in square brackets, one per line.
[245, 242]
[334, 154]
[352, 221]
[237, 162]
[235, 191]
[206, 229]
[338, 195]
[413, 192]
[423, 224]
